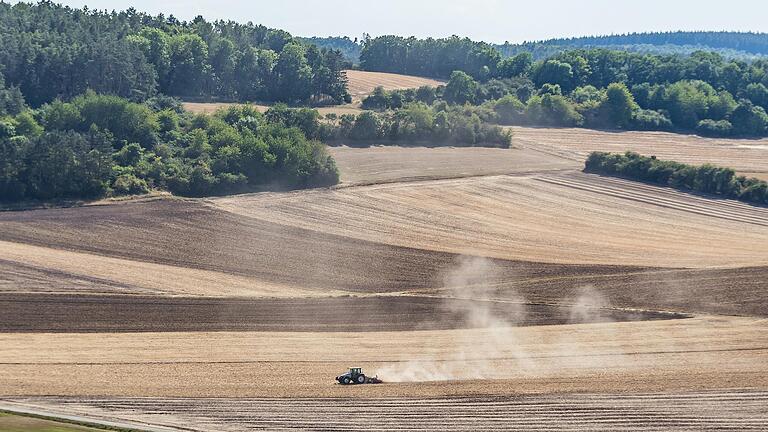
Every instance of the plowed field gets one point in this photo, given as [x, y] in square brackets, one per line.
[490, 289]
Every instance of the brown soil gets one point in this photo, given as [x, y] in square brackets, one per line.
[564, 218]
[686, 354]
[81, 313]
[386, 164]
[745, 156]
[742, 410]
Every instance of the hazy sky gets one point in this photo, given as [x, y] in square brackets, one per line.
[489, 20]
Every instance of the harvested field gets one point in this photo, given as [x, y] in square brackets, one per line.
[362, 83]
[384, 164]
[564, 218]
[212, 107]
[743, 155]
[742, 410]
[209, 252]
[685, 355]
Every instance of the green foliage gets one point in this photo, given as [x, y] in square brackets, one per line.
[693, 92]
[98, 145]
[618, 106]
[419, 123]
[553, 72]
[51, 51]
[518, 65]
[11, 99]
[378, 100]
[757, 93]
[126, 121]
[461, 88]
[749, 120]
[509, 110]
[552, 110]
[650, 120]
[714, 128]
[704, 178]
[429, 57]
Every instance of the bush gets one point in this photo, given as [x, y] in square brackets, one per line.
[235, 150]
[509, 110]
[128, 184]
[650, 120]
[712, 128]
[552, 110]
[704, 178]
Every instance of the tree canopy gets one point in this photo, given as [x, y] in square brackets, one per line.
[51, 51]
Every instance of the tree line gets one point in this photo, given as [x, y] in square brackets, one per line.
[51, 51]
[703, 178]
[411, 124]
[742, 43]
[105, 145]
[702, 93]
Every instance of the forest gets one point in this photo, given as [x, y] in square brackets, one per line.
[704, 178]
[702, 93]
[103, 145]
[51, 51]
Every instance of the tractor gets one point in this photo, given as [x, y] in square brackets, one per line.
[356, 376]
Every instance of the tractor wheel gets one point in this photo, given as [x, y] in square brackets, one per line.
[361, 379]
[346, 380]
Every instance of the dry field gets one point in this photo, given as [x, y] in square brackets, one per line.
[569, 218]
[387, 164]
[689, 411]
[490, 288]
[362, 83]
[212, 107]
[747, 157]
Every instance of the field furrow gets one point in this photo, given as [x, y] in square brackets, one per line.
[732, 410]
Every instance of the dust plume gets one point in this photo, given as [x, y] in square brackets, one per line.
[472, 279]
[494, 339]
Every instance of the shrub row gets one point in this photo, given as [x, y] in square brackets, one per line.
[703, 178]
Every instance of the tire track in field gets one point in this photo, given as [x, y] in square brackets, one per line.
[737, 410]
[662, 197]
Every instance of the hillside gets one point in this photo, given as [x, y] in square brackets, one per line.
[738, 45]
[729, 44]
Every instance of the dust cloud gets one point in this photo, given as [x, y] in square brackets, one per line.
[476, 354]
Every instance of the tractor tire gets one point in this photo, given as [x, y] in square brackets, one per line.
[361, 379]
[346, 380]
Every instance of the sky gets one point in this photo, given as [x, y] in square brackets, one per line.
[488, 20]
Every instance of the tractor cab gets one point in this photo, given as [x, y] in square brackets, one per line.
[354, 376]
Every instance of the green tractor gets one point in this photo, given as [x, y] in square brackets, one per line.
[356, 376]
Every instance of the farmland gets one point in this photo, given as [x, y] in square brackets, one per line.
[503, 286]
[747, 157]
[361, 84]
